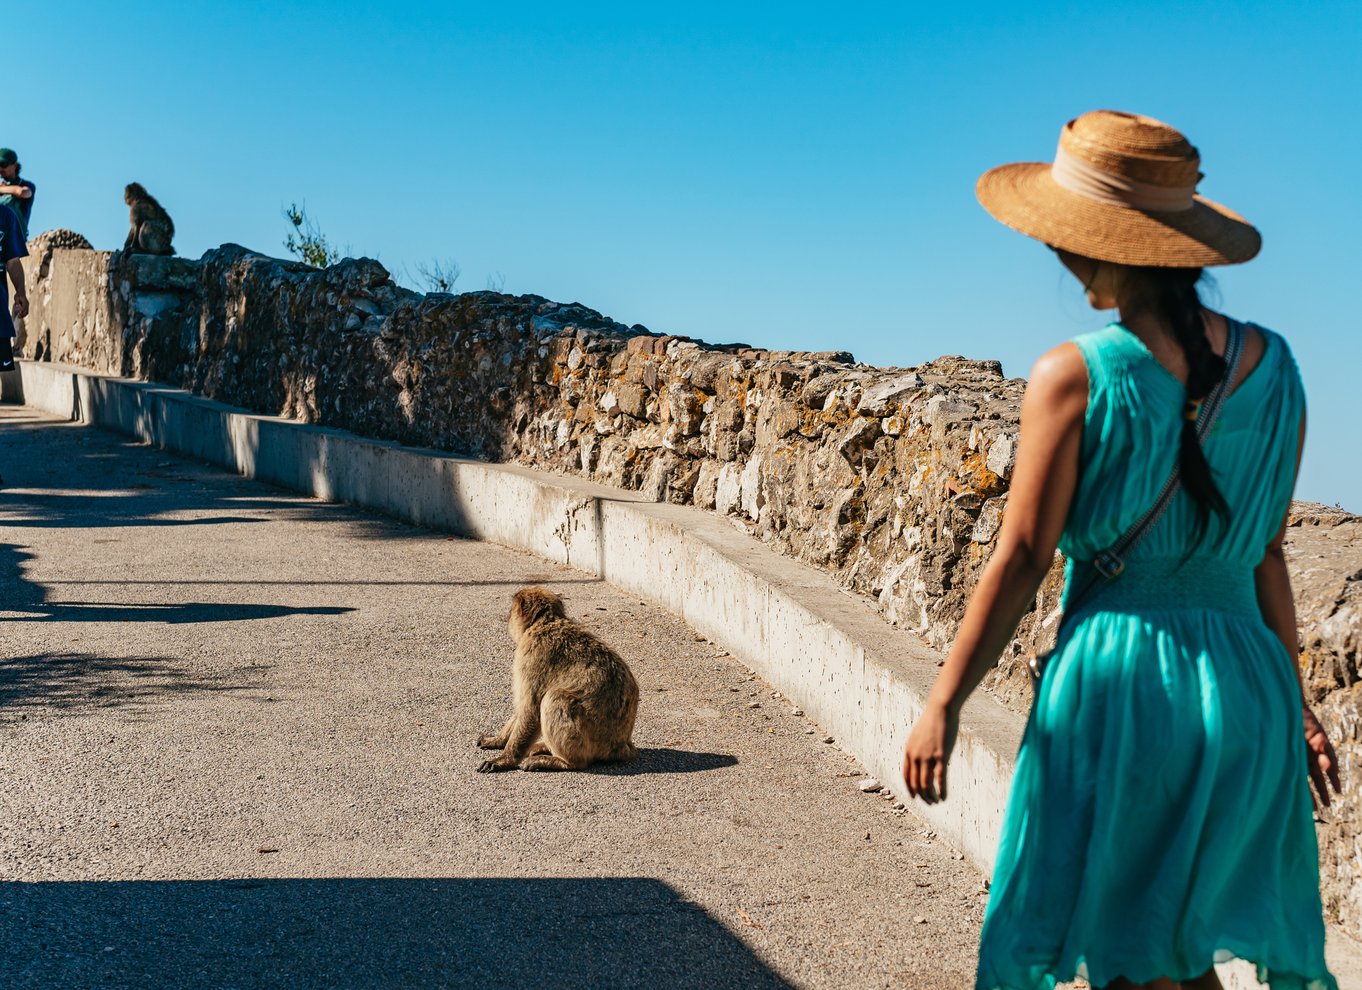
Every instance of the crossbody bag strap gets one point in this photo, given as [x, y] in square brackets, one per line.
[1109, 564]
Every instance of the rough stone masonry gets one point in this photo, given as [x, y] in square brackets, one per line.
[893, 479]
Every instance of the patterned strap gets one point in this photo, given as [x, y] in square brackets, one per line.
[1109, 564]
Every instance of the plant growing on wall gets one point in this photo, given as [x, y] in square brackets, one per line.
[438, 276]
[306, 241]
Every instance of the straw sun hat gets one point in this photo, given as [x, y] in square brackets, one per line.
[1122, 188]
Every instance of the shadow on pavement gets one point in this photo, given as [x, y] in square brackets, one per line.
[182, 612]
[666, 761]
[569, 933]
[81, 680]
[87, 519]
[68, 476]
[27, 601]
[514, 582]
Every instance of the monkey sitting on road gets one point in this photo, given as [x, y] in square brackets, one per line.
[152, 229]
[574, 698]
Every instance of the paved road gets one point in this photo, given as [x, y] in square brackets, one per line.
[236, 751]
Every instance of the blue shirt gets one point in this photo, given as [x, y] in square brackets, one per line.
[22, 207]
[11, 246]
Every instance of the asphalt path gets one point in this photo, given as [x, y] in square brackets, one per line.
[236, 750]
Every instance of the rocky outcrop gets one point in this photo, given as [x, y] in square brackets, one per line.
[41, 247]
[893, 479]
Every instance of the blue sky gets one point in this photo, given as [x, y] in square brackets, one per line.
[794, 176]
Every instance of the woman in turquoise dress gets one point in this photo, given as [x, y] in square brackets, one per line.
[1160, 817]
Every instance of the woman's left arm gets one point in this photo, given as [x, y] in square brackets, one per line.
[1272, 582]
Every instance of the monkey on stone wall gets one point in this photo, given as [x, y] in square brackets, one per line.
[152, 229]
[574, 699]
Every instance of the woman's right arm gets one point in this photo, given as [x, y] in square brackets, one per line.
[1272, 581]
[1043, 483]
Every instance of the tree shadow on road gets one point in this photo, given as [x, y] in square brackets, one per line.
[68, 681]
[568, 933]
[663, 760]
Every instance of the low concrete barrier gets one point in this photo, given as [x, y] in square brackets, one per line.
[860, 679]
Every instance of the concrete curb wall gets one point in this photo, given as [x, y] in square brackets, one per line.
[825, 650]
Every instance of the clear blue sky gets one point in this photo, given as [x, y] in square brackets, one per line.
[790, 175]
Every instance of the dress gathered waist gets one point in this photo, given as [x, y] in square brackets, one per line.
[1173, 584]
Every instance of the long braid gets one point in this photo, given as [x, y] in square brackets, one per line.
[1179, 305]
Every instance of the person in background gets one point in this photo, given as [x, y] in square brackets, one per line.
[16, 193]
[12, 248]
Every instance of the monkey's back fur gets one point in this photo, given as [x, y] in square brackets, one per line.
[588, 704]
[152, 230]
[575, 699]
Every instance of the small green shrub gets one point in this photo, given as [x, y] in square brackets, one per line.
[306, 241]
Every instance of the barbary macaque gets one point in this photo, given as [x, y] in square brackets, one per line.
[152, 229]
[574, 698]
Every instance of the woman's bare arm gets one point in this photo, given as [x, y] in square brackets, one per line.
[1043, 484]
[1272, 581]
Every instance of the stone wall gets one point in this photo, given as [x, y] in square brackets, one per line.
[893, 479]
[1324, 548]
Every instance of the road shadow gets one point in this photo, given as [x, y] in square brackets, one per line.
[180, 612]
[338, 583]
[26, 601]
[570, 934]
[63, 511]
[663, 760]
[69, 476]
[66, 681]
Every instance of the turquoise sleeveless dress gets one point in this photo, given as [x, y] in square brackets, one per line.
[1160, 818]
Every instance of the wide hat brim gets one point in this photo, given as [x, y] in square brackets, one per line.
[1026, 198]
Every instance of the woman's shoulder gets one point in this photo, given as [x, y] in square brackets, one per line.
[1274, 342]
[1277, 356]
[1273, 385]
[1060, 369]
[1112, 336]
[1111, 352]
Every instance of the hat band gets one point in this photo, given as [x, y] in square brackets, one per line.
[1091, 182]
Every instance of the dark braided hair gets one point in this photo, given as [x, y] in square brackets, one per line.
[1173, 296]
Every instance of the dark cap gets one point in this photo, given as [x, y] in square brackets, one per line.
[8, 157]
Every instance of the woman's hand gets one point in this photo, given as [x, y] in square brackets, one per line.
[927, 752]
[1321, 760]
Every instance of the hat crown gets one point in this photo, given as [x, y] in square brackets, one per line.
[1134, 147]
